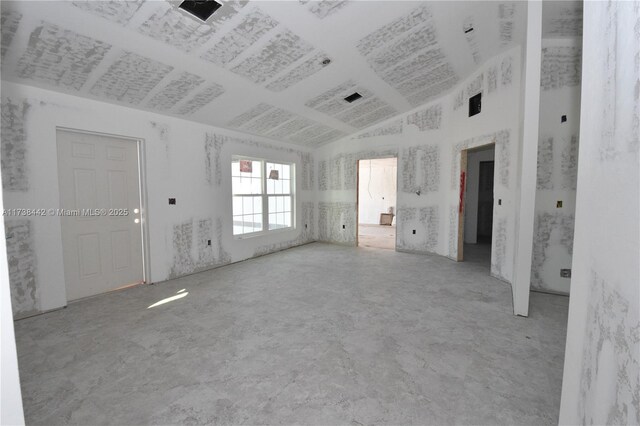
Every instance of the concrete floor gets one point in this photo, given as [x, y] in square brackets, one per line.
[377, 236]
[320, 334]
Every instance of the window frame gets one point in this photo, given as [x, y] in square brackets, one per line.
[265, 197]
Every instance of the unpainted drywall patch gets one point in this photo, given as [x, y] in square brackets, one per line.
[364, 112]
[475, 86]
[406, 54]
[306, 224]
[324, 8]
[499, 249]
[118, 11]
[337, 222]
[299, 73]
[420, 169]
[393, 128]
[212, 148]
[472, 42]
[60, 57]
[545, 163]
[569, 164]
[21, 258]
[130, 78]
[567, 22]
[458, 100]
[281, 50]
[163, 136]
[492, 79]
[425, 220]
[549, 230]
[172, 27]
[15, 176]
[323, 175]
[506, 14]
[453, 232]
[427, 119]
[307, 172]
[201, 99]
[174, 91]
[506, 69]
[612, 338]
[253, 26]
[9, 22]
[561, 66]
[191, 250]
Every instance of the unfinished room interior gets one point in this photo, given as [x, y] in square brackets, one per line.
[191, 188]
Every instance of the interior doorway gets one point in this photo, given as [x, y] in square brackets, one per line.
[477, 216]
[377, 195]
[100, 212]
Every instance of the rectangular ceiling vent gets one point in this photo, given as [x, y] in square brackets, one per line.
[201, 9]
[353, 97]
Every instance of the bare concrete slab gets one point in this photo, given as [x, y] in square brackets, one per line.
[320, 334]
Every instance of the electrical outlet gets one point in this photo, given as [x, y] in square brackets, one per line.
[414, 232]
[563, 119]
[559, 204]
[172, 201]
[499, 201]
[305, 226]
[208, 242]
[565, 273]
[344, 227]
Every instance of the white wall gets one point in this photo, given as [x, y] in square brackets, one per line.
[185, 160]
[10, 393]
[602, 357]
[428, 141]
[378, 180]
[471, 192]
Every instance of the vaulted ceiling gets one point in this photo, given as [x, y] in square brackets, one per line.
[258, 67]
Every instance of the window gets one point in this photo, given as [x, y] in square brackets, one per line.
[262, 195]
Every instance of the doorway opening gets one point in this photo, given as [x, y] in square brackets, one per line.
[103, 222]
[477, 216]
[377, 194]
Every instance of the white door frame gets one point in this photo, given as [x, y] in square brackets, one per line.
[142, 183]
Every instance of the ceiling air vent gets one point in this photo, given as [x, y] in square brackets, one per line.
[201, 9]
[353, 97]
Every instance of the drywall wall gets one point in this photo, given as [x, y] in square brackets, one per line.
[602, 358]
[428, 141]
[471, 192]
[183, 160]
[11, 412]
[378, 181]
[557, 163]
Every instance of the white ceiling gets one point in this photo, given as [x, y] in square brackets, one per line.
[257, 66]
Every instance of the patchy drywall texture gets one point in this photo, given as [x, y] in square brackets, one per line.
[458, 100]
[610, 350]
[499, 251]
[475, 86]
[506, 19]
[281, 51]
[561, 66]
[567, 22]
[569, 164]
[174, 91]
[507, 71]
[323, 176]
[60, 57]
[393, 128]
[427, 119]
[21, 258]
[200, 99]
[253, 26]
[420, 169]
[307, 172]
[425, 221]
[472, 42]
[191, 250]
[361, 113]
[545, 163]
[270, 121]
[306, 224]
[130, 78]
[502, 141]
[337, 222]
[175, 28]
[119, 11]
[453, 232]
[426, 73]
[14, 150]
[299, 73]
[9, 21]
[323, 8]
[492, 79]
[553, 237]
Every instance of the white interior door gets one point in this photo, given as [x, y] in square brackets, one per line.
[102, 244]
